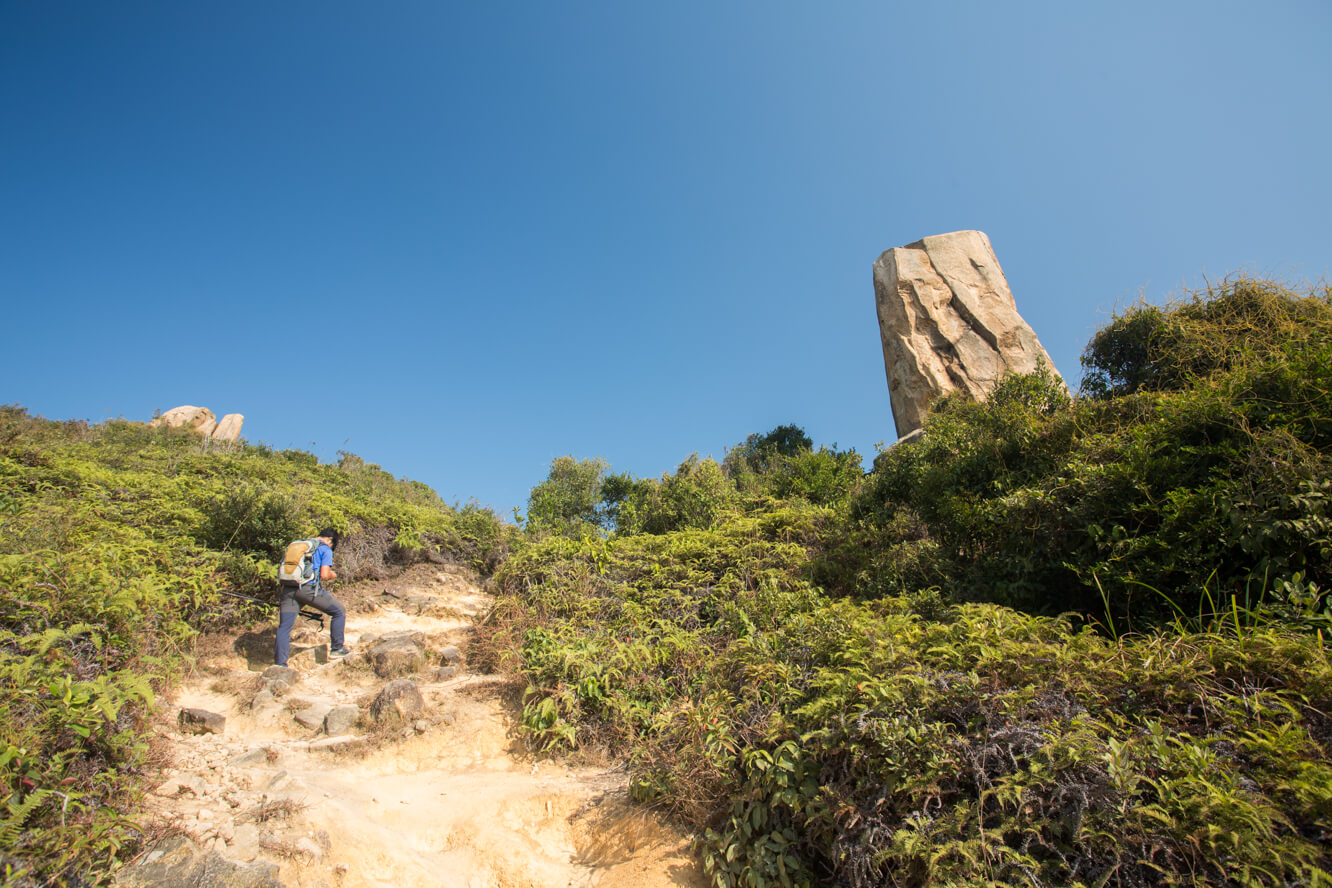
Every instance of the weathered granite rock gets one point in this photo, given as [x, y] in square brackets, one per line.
[201, 721]
[398, 702]
[400, 653]
[229, 428]
[450, 655]
[281, 673]
[175, 861]
[948, 323]
[341, 719]
[313, 717]
[200, 419]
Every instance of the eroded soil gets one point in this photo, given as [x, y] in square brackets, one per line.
[443, 797]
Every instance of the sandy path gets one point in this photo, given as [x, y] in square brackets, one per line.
[443, 798]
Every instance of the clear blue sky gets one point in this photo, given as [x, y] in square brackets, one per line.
[461, 240]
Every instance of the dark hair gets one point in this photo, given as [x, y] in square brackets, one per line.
[332, 535]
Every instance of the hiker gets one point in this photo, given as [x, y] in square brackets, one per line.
[313, 593]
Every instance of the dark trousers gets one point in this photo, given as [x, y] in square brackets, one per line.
[292, 601]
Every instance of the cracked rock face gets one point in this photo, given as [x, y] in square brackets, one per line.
[948, 322]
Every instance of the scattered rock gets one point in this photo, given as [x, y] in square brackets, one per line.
[283, 673]
[333, 742]
[201, 721]
[276, 686]
[193, 784]
[168, 789]
[313, 718]
[175, 861]
[341, 719]
[310, 848]
[398, 654]
[444, 673]
[245, 843]
[263, 699]
[948, 322]
[398, 702]
[421, 726]
[450, 655]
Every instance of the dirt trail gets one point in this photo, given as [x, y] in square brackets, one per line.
[442, 797]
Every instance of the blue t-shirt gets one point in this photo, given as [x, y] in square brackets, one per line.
[323, 555]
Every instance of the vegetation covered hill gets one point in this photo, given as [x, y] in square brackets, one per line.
[114, 540]
[1056, 641]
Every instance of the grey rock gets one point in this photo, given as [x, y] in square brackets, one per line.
[263, 699]
[399, 702]
[201, 721]
[948, 322]
[398, 654]
[450, 655]
[313, 717]
[282, 673]
[276, 686]
[444, 673]
[175, 861]
[341, 719]
[249, 757]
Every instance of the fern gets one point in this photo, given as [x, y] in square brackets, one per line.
[18, 814]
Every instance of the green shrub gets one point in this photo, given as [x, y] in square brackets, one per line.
[905, 741]
[1221, 328]
[253, 518]
[568, 502]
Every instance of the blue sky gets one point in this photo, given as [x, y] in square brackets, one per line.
[461, 240]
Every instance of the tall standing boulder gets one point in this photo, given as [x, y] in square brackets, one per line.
[229, 428]
[200, 419]
[948, 323]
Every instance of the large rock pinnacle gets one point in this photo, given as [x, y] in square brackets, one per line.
[948, 322]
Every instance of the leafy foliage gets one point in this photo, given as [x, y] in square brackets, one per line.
[568, 502]
[1056, 641]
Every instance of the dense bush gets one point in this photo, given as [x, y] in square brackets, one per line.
[908, 742]
[1175, 501]
[1238, 323]
[568, 502]
[113, 541]
[824, 678]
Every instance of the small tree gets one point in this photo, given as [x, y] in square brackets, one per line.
[568, 502]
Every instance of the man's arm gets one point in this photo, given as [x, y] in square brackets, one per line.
[326, 572]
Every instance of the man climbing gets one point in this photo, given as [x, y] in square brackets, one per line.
[313, 593]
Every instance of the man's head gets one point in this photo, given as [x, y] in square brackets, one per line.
[330, 536]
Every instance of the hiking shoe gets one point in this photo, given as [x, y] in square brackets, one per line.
[340, 652]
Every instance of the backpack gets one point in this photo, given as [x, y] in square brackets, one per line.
[297, 565]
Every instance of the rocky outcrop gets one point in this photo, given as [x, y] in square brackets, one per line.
[201, 420]
[948, 323]
[229, 428]
[175, 861]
